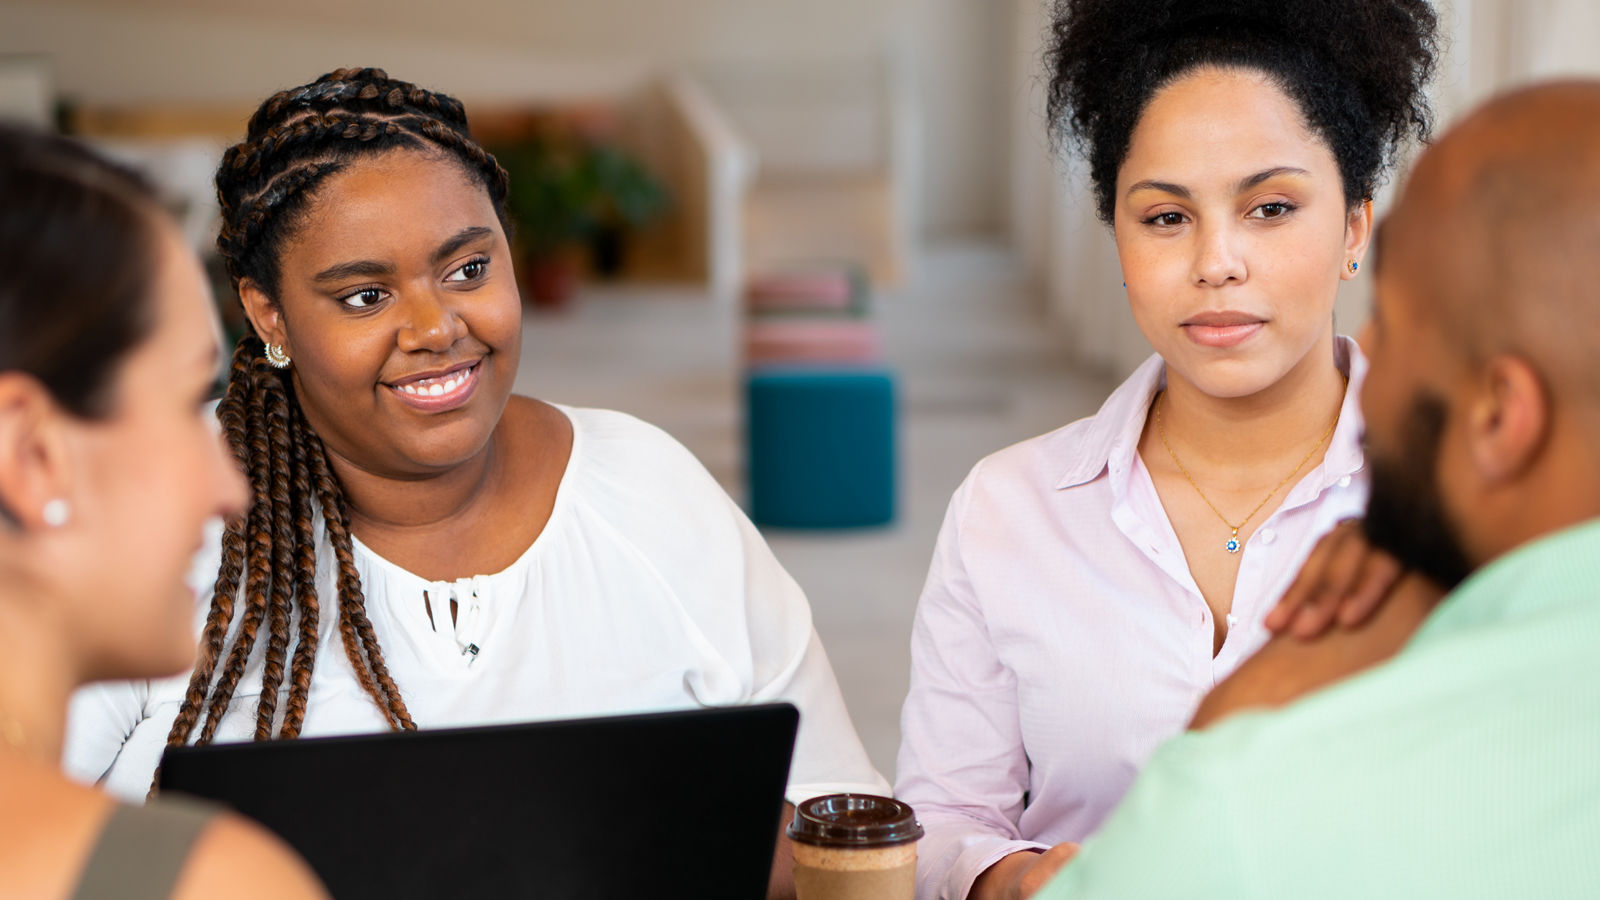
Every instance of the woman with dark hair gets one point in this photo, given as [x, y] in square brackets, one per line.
[108, 353]
[426, 548]
[1092, 584]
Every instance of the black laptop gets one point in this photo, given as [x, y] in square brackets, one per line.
[658, 805]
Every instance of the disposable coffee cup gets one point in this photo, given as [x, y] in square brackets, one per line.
[854, 847]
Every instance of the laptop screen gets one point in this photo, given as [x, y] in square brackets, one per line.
[663, 804]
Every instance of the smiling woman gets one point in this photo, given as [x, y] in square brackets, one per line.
[490, 557]
[395, 300]
[1092, 584]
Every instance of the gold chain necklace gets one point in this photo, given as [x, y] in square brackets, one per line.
[1232, 545]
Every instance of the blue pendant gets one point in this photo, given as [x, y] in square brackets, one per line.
[1232, 545]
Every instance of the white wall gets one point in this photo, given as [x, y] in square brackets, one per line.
[237, 51]
[1032, 175]
[1488, 46]
[962, 51]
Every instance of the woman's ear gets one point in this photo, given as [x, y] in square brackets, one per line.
[35, 470]
[1357, 235]
[264, 315]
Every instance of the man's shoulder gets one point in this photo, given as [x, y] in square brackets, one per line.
[1460, 768]
[1404, 772]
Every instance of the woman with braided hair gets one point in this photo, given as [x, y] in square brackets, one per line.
[426, 548]
[1091, 585]
[108, 353]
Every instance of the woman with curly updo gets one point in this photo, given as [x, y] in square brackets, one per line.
[426, 548]
[1091, 585]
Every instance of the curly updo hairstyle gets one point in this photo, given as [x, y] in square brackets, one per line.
[1356, 69]
[296, 141]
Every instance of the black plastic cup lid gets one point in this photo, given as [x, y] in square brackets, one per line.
[854, 820]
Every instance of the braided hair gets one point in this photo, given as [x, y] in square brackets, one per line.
[1355, 68]
[295, 141]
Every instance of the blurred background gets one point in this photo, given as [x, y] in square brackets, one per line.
[825, 243]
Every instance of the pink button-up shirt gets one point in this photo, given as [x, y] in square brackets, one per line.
[1060, 636]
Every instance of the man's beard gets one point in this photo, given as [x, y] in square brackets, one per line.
[1406, 514]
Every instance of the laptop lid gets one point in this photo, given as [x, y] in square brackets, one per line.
[682, 803]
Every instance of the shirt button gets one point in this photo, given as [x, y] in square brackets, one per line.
[1268, 535]
[1344, 481]
[1232, 620]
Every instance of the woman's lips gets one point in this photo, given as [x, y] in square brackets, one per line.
[439, 393]
[1222, 330]
[1221, 335]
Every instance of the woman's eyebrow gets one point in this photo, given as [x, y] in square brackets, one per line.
[360, 268]
[1251, 181]
[1245, 183]
[462, 238]
[371, 268]
[1165, 187]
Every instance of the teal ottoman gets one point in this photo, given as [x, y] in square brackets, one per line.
[821, 446]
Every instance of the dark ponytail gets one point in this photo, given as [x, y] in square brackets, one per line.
[78, 259]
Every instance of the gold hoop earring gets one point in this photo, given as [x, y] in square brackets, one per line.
[276, 357]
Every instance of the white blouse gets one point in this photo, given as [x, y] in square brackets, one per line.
[648, 589]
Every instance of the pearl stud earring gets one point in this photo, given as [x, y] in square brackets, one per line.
[56, 512]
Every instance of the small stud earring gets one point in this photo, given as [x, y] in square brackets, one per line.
[1354, 266]
[276, 357]
[56, 512]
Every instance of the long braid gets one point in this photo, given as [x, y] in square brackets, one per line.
[258, 554]
[354, 628]
[230, 414]
[282, 583]
[305, 648]
[294, 142]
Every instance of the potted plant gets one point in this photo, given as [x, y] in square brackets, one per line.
[550, 202]
[568, 191]
[626, 197]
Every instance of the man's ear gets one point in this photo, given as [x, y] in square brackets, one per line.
[264, 315]
[1357, 235]
[1509, 421]
[35, 466]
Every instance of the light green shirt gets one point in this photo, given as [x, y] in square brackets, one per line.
[1467, 766]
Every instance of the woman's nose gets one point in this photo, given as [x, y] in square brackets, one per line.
[1217, 259]
[432, 324]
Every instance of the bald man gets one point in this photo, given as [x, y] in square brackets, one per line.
[1469, 764]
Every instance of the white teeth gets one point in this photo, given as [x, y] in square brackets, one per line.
[434, 388]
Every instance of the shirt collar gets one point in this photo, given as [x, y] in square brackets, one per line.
[1344, 456]
[1111, 438]
[1555, 571]
[1114, 430]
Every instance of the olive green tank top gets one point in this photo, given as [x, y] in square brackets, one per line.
[142, 850]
